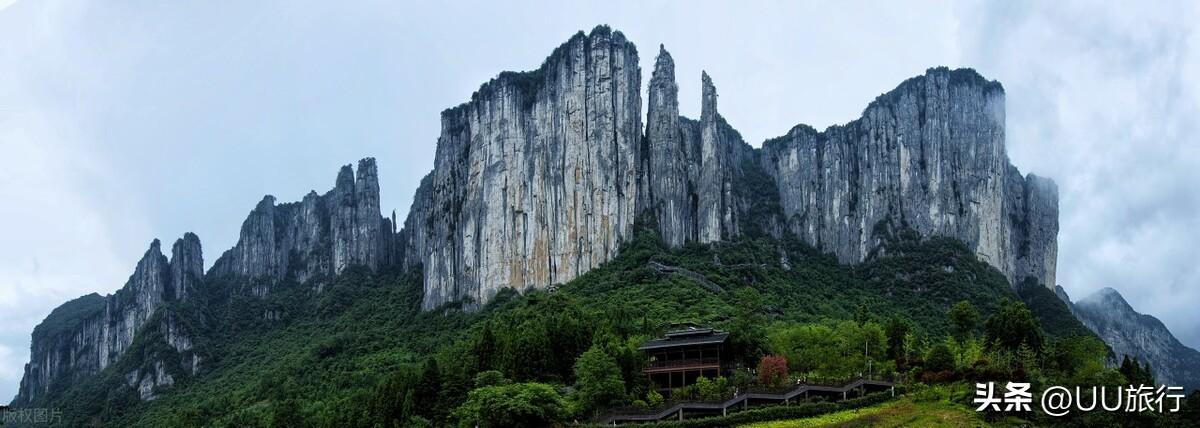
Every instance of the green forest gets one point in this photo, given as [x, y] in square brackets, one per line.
[357, 351]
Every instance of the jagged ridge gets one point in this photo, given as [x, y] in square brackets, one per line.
[88, 334]
[542, 175]
[525, 193]
[1138, 335]
[303, 241]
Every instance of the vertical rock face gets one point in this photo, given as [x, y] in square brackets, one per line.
[320, 235]
[84, 336]
[1138, 335]
[187, 266]
[1034, 229]
[670, 188]
[928, 156]
[723, 159]
[697, 170]
[369, 234]
[536, 178]
[539, 177]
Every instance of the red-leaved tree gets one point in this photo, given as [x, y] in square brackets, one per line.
[772, 370]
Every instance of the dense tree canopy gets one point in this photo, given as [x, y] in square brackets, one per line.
[361, 353]
[512, 406]
[963, 320]
[1012, 327]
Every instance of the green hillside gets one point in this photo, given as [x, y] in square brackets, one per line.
[359, 352]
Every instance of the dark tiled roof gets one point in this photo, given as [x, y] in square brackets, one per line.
[673, 340]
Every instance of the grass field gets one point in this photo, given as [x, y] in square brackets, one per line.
[901, 413]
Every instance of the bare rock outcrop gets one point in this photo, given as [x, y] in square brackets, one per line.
[535, 180]
[86, 335]
[320, 235]
[540, 177]
[928, 156]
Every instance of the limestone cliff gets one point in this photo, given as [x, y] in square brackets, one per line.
[86, 335]
[928, 156]
[535, 180]
[693, 165]
[540, 177]
[670, 157]
[320, 235]
[706, 183]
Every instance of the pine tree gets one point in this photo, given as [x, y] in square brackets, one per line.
[428, 389]
[485, 349]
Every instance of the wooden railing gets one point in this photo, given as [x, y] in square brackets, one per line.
[683, 363]
[784, 394]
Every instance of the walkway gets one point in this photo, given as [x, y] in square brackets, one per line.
[785, 397]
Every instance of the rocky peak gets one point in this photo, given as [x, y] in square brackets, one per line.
[187, 266]
[88, 334]
[320, 235]
[1129, 332]
[664, 67]
[719, 159]
[664, 93]
[1062, 295]
[1108, 299]
[929, 156]
[369, 233]
[708, 98]
[536, 179]
[668, 156]
[146, 287]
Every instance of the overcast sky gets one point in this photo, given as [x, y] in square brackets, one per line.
[120, 123]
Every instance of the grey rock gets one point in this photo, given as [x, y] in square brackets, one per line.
[321, 235]
[84, 336]
[148, 382]
[540, 176]
[187, 266]
[671, 189]
[693, 165]
[536, 179]
[1062, 295]
[928, 156]
[1138, 335]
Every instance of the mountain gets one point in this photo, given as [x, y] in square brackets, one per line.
[546, 176]
[311, 240]
[319, 236]
[542, 175]
[1138, 335]
[86, 335]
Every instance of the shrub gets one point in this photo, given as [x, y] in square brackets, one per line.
[490, 378]
[513, 405]
[940, 358]
[773, 371]
[712, 389]
[654, 399]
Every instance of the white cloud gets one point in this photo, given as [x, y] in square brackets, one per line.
[66, 218]
[1104, 100]
[57, 245]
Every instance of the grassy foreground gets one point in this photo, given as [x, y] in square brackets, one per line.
[904, 412]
